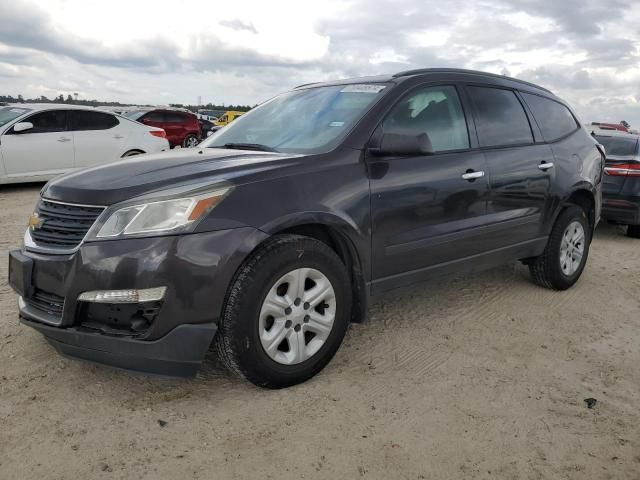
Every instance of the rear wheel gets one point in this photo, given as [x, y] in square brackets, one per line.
[633, 231]
[190, 141]
[286, 312]
[565, 256]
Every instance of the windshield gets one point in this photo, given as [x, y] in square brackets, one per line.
[619, 146]
[135, 115]
[312, 120]
[8, 114]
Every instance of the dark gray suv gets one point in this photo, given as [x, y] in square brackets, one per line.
[269, 238]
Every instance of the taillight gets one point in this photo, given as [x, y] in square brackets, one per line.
[623, 170]
[158, 133]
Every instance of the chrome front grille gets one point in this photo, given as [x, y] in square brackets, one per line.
[61, 225]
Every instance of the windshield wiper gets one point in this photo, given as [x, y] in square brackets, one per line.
[248, 146]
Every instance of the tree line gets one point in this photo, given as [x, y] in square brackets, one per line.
[94, 103]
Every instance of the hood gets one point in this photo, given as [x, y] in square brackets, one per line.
[139, 175]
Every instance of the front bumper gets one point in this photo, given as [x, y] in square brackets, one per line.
[196, 269]
[178, 354]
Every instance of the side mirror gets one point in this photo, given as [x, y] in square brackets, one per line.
[405, 145]
[22, 127]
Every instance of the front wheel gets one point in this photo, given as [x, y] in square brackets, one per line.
[286, 312]
[565, 256]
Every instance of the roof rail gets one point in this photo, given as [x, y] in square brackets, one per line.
[306, 85]
[418, 71]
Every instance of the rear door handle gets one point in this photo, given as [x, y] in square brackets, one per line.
[118, 137]
[64, 139]
[471, 175]
[545, 166]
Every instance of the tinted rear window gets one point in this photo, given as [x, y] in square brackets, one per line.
[619, 146]
[501, 118]
[554, 119]
[86, 120]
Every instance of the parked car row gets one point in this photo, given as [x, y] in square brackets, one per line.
[271, 236]
[40, 141]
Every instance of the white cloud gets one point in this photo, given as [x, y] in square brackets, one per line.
[244, 51]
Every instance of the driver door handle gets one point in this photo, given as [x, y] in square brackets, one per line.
[471, 175]
[545, 166]
[64, 139]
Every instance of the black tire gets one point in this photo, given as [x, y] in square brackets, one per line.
[633, 231]
[237, 341]
[546, 270]
[188, 139]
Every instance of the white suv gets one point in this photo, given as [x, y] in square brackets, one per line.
[40, 141]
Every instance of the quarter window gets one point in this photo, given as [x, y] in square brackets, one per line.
[87, 120]
[554, 119]
[435, 111]
[48, 122]
[501, 119]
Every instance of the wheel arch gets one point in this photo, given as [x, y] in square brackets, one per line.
[132, 151]
[583, 197]
[345, 239]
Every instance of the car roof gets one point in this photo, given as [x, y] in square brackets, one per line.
[460, 73]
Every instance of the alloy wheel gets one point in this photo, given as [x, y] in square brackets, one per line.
[297, 316]
[572, 248]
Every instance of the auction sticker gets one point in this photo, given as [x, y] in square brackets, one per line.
[363, 88]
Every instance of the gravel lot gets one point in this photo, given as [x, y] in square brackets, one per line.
[476, 377]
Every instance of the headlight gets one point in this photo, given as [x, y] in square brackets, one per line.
[160, 216]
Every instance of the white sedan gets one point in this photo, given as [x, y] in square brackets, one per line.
[40, 141]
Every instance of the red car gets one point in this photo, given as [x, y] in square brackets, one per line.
[612, 126]
[182, 128]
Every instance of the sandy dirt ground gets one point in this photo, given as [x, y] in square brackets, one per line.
[476, 377]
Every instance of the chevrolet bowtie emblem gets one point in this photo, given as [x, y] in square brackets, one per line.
[35, 221]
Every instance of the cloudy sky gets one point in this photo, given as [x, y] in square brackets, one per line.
[245, 51]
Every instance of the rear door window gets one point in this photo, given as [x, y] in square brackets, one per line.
[48, 122]
[435, 111]
[501, 119]
[154, 117]
[554, 119]
[86, 120]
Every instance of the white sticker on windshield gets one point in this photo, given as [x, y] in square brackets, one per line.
[336, 124]
[364, 88]
[17, 110]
